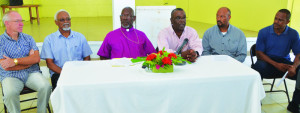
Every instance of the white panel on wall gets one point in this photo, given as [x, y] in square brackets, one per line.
[117, 6]
[152, 19]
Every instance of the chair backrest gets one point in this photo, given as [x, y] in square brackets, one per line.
[252, 53]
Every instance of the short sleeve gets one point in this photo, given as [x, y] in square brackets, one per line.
[86, 49]
[46, 50]
[33, 44]
[260, 45]
[105, 49]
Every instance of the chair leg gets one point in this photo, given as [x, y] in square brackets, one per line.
[287, 92]
[272, 85]
[5, 109]
[48, 107]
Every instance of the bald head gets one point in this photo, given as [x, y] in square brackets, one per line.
[225, 10]
[128, 9]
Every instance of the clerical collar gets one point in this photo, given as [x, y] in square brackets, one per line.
[127, 30]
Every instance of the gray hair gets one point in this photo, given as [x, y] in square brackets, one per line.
[6, 16]
[62, 10]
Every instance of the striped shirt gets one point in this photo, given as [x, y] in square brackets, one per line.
[17, 49]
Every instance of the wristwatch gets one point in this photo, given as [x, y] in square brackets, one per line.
[16, 61]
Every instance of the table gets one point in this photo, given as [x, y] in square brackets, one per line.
[25, 6]
[214, 84]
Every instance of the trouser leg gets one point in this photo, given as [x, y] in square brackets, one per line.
[267, 70]
[11, 90]
[54, 80]
[39, 83]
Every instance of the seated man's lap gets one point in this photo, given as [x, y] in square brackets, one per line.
[37, 81]
[12, 86]
[267, 70]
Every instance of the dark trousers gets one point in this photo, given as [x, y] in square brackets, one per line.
[267, 70]
[54, 79]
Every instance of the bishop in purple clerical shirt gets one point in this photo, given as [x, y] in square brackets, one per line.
[126, 41]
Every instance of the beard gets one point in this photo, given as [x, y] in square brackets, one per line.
[66, 27]
[126, 27]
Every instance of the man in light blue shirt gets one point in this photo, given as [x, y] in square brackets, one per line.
[63, 45]
[224, 38]
[19, 58]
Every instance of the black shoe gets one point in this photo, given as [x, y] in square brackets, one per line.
[292, 107]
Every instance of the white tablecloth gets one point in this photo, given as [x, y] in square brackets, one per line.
[214, 84]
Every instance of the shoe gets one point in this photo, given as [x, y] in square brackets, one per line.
[292, 107]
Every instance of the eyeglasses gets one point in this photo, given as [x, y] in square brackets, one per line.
[18, 21]
[126, 16]
[178, 18]
[62, 19]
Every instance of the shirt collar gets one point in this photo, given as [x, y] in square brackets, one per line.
[9, 38]
[124, 30]
[170, 27]
[58, 34]
[284, 32]
[228, 30]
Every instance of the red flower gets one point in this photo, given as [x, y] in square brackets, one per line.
[167, 60]
[161, 53]
[150, 57]
[172, 55]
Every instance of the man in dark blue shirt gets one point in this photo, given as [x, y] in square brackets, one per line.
[273, 46]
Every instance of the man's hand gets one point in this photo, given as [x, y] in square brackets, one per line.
[291, 71]
[282, 67]
[189, 55]
[7, 62]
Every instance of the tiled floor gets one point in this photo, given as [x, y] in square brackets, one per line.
[96, 28]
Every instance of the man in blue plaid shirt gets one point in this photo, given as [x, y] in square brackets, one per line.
[19, 58]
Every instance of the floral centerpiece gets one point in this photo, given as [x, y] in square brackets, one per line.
[161, 62]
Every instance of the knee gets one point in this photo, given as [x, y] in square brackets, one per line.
[260, 65]
[11, 93]
[45, 87]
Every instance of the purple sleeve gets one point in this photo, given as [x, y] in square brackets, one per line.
[105, 49]
[148, 46]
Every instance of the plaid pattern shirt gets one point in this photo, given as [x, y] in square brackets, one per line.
[17, 49]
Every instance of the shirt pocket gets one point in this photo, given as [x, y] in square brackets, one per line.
[77, 52]
[233, 46]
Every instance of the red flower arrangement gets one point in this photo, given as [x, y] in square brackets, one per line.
[162, 59]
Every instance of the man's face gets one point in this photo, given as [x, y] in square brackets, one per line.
[280, 21]
[127, 18]
[178, 20]
[223, 17]
[63, 21]
[14, 23]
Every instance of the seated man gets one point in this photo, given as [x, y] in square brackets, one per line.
[125, 41]
[19, 58]
[179, 37]
[63, 45]
[273, 46]
[224, 38]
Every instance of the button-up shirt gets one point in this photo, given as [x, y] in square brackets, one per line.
[233, 43]
[62, 49]
[168, 39]
[17, 49]
[279, 46]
